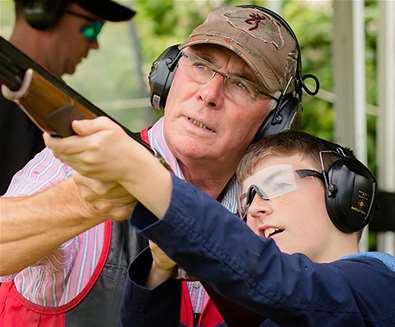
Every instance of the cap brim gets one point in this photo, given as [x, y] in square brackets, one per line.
[107, 10]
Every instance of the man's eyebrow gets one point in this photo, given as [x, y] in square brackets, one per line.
[243, 73]
[247, 74]
[206, 56]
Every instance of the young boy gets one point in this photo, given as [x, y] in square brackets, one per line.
[306, 202]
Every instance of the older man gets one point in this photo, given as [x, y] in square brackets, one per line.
[58, 35]
[232, 71]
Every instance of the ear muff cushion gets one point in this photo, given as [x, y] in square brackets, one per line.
[43, 15]
[350, 207]
[281, 118]
[161, 76]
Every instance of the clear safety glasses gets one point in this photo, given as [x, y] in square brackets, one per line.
[272, 182]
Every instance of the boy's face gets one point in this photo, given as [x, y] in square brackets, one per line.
[295, 216]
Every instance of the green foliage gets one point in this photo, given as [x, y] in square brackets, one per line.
[6, 17]
[110, 73]
[166, 23]
[312, 25]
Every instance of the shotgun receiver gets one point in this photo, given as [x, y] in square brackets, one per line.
[49, 102]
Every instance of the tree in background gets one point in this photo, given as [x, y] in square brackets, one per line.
[111, 73]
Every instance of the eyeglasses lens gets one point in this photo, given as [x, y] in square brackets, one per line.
[92, 30]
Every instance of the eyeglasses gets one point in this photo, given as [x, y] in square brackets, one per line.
[91, 30]
[273, 182]
[235, 87]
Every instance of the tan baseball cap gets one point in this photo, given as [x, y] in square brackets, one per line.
[256, 37]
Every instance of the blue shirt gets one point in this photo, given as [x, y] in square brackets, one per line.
[286, 290]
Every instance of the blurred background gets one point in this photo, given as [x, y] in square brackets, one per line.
[340, 43]
[115, 78]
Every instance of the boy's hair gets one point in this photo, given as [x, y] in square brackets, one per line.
[287, 144]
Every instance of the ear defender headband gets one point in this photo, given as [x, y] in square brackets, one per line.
[43, 14]
[282, 118]
[350, 191]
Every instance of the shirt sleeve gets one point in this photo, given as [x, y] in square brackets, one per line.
[216, 246]
[40, 173]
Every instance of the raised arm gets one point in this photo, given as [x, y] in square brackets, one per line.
[210, 242]
[31, 227]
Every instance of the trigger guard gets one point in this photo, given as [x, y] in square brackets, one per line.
[16, 95]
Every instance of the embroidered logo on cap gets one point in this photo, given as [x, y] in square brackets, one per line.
[254, 19]
[258, 24]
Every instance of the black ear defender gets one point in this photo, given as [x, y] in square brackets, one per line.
[161, 76]
[350, 191]
[282, 118]
[43, 14]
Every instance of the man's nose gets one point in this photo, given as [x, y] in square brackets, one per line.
[212, 92]
[94, 44]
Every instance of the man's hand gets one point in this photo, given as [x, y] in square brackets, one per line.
[97, 150]
[162, 267]
[105, 198]
[103, 151]
[160, 259]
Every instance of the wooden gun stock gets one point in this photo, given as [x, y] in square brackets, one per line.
[49, 102]
[50, 109]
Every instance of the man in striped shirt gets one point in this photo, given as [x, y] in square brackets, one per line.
[63, 255]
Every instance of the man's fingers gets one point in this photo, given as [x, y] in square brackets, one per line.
[123, 212]
[92, 189]
[72, 145]
[91, 126]
[160, 258]
[86, 138]
[68, 146]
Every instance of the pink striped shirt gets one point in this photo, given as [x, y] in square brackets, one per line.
[198, 295]
[59, 277]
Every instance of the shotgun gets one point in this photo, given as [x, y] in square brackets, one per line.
[52, 105]
[49, 102]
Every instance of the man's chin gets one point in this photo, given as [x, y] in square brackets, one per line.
[192, 151]
[71, 71]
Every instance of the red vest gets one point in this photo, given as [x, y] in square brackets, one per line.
[99, 302]
[209, 317]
